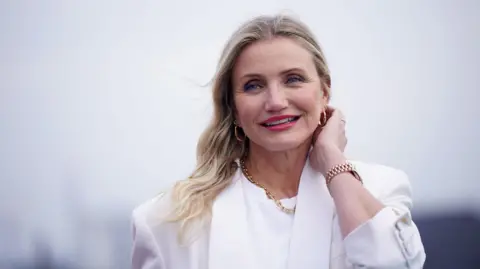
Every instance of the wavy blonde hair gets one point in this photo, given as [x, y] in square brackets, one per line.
[218, 149]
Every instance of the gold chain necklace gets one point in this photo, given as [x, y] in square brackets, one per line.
[269, 194]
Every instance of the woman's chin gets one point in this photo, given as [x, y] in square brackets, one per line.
[286, 144]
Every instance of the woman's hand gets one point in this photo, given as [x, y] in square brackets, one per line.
[329, 142]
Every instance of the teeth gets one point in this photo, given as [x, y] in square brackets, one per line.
[273, 123]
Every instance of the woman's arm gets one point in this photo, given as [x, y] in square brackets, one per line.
[378, 230]
[378, 233]
[355, 205]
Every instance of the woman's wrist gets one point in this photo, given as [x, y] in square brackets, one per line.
[332, 156]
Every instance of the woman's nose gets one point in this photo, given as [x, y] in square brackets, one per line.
[276, 99]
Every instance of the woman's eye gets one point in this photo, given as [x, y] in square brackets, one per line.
[294, 79]
[251, 86]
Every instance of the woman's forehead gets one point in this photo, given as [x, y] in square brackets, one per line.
[273, 57]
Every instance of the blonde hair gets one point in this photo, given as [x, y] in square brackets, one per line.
[218, 149]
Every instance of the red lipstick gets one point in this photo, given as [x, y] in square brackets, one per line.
[280, 123]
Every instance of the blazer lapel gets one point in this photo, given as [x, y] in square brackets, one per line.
[312, 227]
[229, 245]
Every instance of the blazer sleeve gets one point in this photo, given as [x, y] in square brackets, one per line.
[145, 251]
[390, 240]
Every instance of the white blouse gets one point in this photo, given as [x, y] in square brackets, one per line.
[270, 229]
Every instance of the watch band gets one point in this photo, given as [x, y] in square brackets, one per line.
[346, 167]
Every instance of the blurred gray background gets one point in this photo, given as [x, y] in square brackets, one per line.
[101, 104]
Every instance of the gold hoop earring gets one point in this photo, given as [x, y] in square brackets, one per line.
[235, 130]
[324, 116]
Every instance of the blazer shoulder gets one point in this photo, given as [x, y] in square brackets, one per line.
[154, 236]
[152, 214]
[382, 180]
[151, 227]
[147, 208]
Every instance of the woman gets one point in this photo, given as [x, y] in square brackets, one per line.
[272, 187]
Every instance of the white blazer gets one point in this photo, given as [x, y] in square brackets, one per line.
[390, 240]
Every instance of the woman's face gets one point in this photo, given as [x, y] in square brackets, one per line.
[278, 94]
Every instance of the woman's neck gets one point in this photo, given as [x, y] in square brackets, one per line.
[278, 172]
